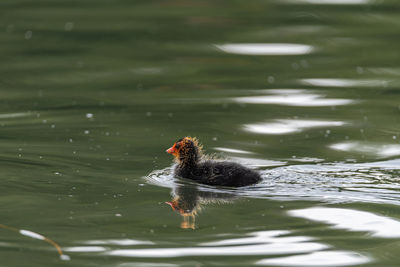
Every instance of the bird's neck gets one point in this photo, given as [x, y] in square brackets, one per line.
[188, 161]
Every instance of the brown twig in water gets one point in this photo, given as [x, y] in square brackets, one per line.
[37, 236]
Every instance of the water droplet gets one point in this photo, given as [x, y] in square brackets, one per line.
[304, 63]
[28, 35]
[10, 28]
[271, 79]
[69, 26]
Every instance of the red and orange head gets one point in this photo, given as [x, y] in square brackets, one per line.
[187, 148]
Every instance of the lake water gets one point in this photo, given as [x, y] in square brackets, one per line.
[94, 92]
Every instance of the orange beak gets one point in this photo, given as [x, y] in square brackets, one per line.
[171, 150]
[171, 204]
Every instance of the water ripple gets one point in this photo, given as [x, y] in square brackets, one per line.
[266, 49]
[119, 242]
[260, 243]
[333, 2]
[374, 182]
[288, 126]
[323, 82]
[292, 97]
[319, 258]
[352, 220]
[380, 150]
[231, 150]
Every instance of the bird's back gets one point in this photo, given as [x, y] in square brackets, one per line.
[219, 173]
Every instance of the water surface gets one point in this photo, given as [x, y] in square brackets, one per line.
[92, 94]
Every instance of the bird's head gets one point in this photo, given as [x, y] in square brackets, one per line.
[186, 150]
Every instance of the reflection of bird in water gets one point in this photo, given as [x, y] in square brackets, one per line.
[188, 199]
[192, 165]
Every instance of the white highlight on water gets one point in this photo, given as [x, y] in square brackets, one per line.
[343, 82]
[352, 220]
[333, 2]
[380, 150]
[260, 237]
[86, 249]
[264, 49]
[319, 258]
[292, 97]
[119, 242]
[231, 150]
[14, 115]
[65, 257]
[258, 243]
[288, 126]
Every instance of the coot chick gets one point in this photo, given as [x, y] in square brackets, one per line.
[192, 165]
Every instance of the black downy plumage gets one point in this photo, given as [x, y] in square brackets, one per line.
[191, 165]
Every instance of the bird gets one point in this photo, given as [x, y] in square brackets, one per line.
[191, 164]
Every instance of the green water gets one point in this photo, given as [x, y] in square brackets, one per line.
[92, 93]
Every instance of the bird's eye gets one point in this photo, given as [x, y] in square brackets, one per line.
[177, 145]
